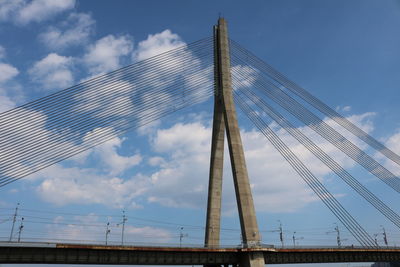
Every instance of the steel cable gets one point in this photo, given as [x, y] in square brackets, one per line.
[320, 154]
[101, 78]
[107, 135]
[87, 118]
[60, 109]
[314, 101]
[325, 131]
[182, 82]
[328, 199]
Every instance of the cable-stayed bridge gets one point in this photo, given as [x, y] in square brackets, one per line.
[56, 127]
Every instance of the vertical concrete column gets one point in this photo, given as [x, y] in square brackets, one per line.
[247, 215]
[248, 221]
[225, 118]
[213, 221]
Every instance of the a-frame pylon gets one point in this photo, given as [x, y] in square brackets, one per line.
[225, 118]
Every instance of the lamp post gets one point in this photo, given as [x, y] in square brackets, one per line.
[107, 232]
[281, 233]
[181, 236]
[124, 219]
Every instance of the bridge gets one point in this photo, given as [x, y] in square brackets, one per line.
[53, 253]
[97, 110]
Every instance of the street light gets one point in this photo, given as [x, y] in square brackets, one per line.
[384, 235]
[13, 224]
[280, 232]
[124, 219]
[20, 229]
[107, 232]
[294, 239]
[337, 231]
[376, 240]
[181, 236]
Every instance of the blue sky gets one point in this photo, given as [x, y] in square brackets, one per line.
[344, 52]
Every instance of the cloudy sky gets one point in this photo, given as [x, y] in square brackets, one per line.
[345, 53]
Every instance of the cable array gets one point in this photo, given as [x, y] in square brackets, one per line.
[249, 71]
[278, 77]
[56, 127]
[319, 189]
[53, 128]
[279, 96]
[321, 155]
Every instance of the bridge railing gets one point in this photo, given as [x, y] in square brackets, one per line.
[183, 246]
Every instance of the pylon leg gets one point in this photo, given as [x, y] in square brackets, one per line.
[247, 215]
[213, 220]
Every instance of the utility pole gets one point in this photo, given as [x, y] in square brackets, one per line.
[294, 239]
[376, 240]
[339, 243]
[384, 236]
[124, 219]
[280, 233]
[20, 229]
[107, 232]
[337, 231]
[181, 236]
[13, 224]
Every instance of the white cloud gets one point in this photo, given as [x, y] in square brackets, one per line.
[176, 66]
[156, 161]
[146, 234]
[344, 108]
[188, 146]
[107, 54]
[172, 63]
[157, 44]
[102, 102]
[364, 121]
[53, 72]
[393, 143]
[7, 72]
[17, 159]
[244, 81]
[10, 8]
[66, 185]
[62, 186]
[6, 103]
[182, 161]
[91, 228]
[24, 11]
[276, 186]
[183, 138]
[109, 157]
[75, 30]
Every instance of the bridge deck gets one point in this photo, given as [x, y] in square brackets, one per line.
[52, 253]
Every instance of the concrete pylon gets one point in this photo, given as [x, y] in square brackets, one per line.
[225, 118]
[213, 220]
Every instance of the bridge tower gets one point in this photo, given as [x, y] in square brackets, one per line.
[225, 119]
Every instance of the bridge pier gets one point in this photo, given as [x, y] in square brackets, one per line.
[252, 259]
